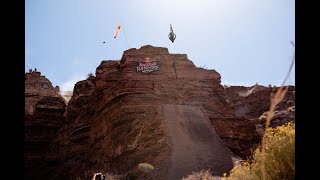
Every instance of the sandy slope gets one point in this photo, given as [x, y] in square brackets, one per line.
[195, 143]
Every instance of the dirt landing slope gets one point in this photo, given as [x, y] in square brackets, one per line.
[195, 143]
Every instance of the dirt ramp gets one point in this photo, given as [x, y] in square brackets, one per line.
[195, 143]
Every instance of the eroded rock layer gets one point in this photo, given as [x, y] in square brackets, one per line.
[44, 110]
[151, 106]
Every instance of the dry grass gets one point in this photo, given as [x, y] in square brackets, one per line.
[201, 175]
[279, 159]
[267, 159]
[275, 100]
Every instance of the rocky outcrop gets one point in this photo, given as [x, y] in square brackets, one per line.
[238, 134]
[71, 146]
[44, 110]
[252, 102]
[115, 121]
[36, 87]
[243, 132]
[151, 106]
[284, 112]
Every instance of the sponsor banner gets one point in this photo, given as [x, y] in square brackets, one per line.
[147, 65]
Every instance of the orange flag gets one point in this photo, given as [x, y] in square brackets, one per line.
[117, 31]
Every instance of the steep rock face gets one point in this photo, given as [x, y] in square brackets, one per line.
[36, 87]
[243, 132]
[117, 120]
[284, 112]
[238, 134]
[150, 106]
[252, 102]
[69, 149]
[44, 110]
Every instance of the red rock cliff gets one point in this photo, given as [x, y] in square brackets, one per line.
[116, 120]
[44, 110]
[150, 106]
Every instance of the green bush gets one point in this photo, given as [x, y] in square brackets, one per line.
[279, 157]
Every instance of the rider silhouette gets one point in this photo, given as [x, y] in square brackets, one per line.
[171, 35]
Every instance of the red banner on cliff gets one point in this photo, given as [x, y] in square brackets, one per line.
[147, 65]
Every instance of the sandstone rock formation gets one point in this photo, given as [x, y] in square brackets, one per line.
[116, 120]
[238, 134]
[36, 87]
[44, 110]
[155, 107]
[244, 131]
[253, 103]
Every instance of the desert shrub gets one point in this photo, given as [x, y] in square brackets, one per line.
[279, 157]
[90, 75]
[200, 175]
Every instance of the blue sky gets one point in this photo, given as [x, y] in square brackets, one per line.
[246, 41]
